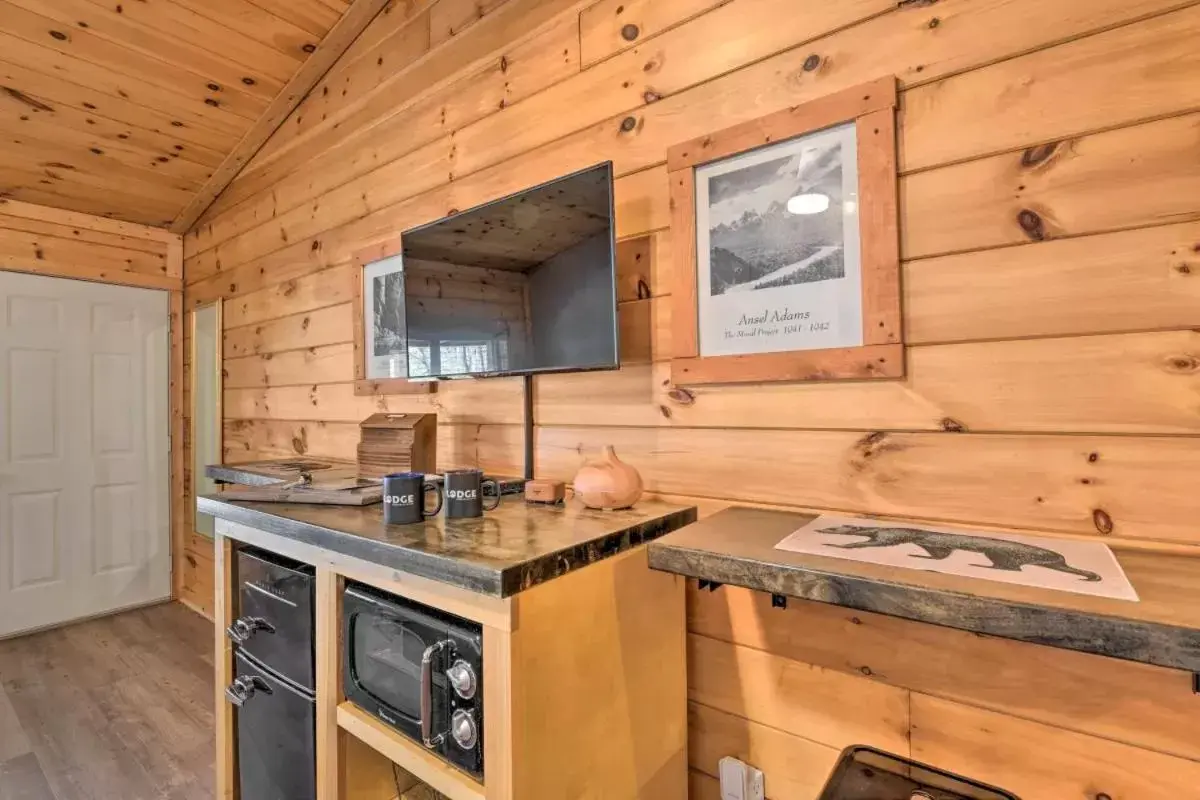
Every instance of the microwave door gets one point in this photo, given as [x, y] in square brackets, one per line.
[389, 662]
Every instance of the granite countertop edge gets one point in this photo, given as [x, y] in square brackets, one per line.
[1127, 638]
[499, 582]
[451, 571]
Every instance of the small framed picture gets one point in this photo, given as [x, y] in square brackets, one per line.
[788, 253]
[380, 329]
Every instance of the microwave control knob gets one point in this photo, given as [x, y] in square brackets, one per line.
[462, 678]
[463, 729]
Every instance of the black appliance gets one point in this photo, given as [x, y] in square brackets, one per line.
[864, 773]
[274, 686]
[548, 254]
[417, 669]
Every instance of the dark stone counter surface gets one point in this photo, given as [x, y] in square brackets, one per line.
[737, 547]
[504, 552]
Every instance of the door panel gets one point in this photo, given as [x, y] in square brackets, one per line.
[84, 509]
[34, 557]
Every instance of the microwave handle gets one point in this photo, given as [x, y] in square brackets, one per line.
[427, 659]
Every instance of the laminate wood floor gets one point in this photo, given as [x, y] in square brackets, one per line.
[118, 708]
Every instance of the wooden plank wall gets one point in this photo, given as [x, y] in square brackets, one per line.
[1051, 241]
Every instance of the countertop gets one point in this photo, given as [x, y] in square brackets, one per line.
[506, 551]
[737, 547]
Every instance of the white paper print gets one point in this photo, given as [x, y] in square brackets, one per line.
[778, 248]
[1065, 565]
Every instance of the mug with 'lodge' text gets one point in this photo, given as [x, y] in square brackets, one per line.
[464, 493]
[404, 498]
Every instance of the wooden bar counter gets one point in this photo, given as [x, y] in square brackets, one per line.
[584, 680]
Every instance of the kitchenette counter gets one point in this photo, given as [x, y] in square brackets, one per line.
[506, 551]
[736, 546]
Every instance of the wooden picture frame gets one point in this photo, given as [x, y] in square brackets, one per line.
[871, 108]
[364, 386]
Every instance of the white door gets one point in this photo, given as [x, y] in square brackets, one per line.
[84, 488]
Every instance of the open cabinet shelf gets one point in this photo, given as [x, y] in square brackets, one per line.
[430, 769]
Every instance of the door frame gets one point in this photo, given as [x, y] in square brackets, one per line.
[170, 281]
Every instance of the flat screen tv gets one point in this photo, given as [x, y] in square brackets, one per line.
[525, 284]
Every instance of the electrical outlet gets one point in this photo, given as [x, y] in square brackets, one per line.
[755, 784]
[740, 781]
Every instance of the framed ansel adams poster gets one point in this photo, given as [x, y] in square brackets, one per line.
[788, 258]
[380, 333]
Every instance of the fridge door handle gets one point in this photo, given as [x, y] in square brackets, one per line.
[427, 658]
[244, 687]
[244, 628]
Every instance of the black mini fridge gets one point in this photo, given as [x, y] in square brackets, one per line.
[273, 686]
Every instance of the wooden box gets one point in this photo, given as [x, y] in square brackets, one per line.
[397, 443]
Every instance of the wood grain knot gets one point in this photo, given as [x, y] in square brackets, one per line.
[935, 22]
[1103, 796]
[249, 81]
[682, 396]
[628, 124]
[651, 96]
[951, 425]
[59, 35]
[1102, 521]
[190, 559]
[865, 670]
[1183, 365]
[1031, 223]
[208, 101]
[666, 412]
[309, 48]
[504, 64]
[630, 32]
[1184, 269]
[643, 289]
[1038, 154]
[872, 439]
[915, 3]
[812, 62]
[21, 97]
[1093, 458]
[214, 87]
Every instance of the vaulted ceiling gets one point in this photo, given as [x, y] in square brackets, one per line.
[126, 108]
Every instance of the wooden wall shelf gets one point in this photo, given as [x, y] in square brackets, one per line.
[737, 547]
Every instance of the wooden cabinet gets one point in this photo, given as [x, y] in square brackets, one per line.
[584, 683]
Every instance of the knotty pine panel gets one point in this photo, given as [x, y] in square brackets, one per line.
[1125, 383]
[826, 706]
[604, 26]
[323, 326]
[683, 107]
[1125, 700]
[494, 400]
[1121, 179]
[796, 766]
[255, 440]
[1137, 487]
[1051, 237]
[324, 119]
[66, 244]
[1040, 762]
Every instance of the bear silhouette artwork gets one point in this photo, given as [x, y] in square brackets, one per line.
[1004, 555]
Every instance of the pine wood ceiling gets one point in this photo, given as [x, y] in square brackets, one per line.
[125, 108]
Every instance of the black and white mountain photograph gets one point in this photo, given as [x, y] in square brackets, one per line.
[388, 327]
[778, 222]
